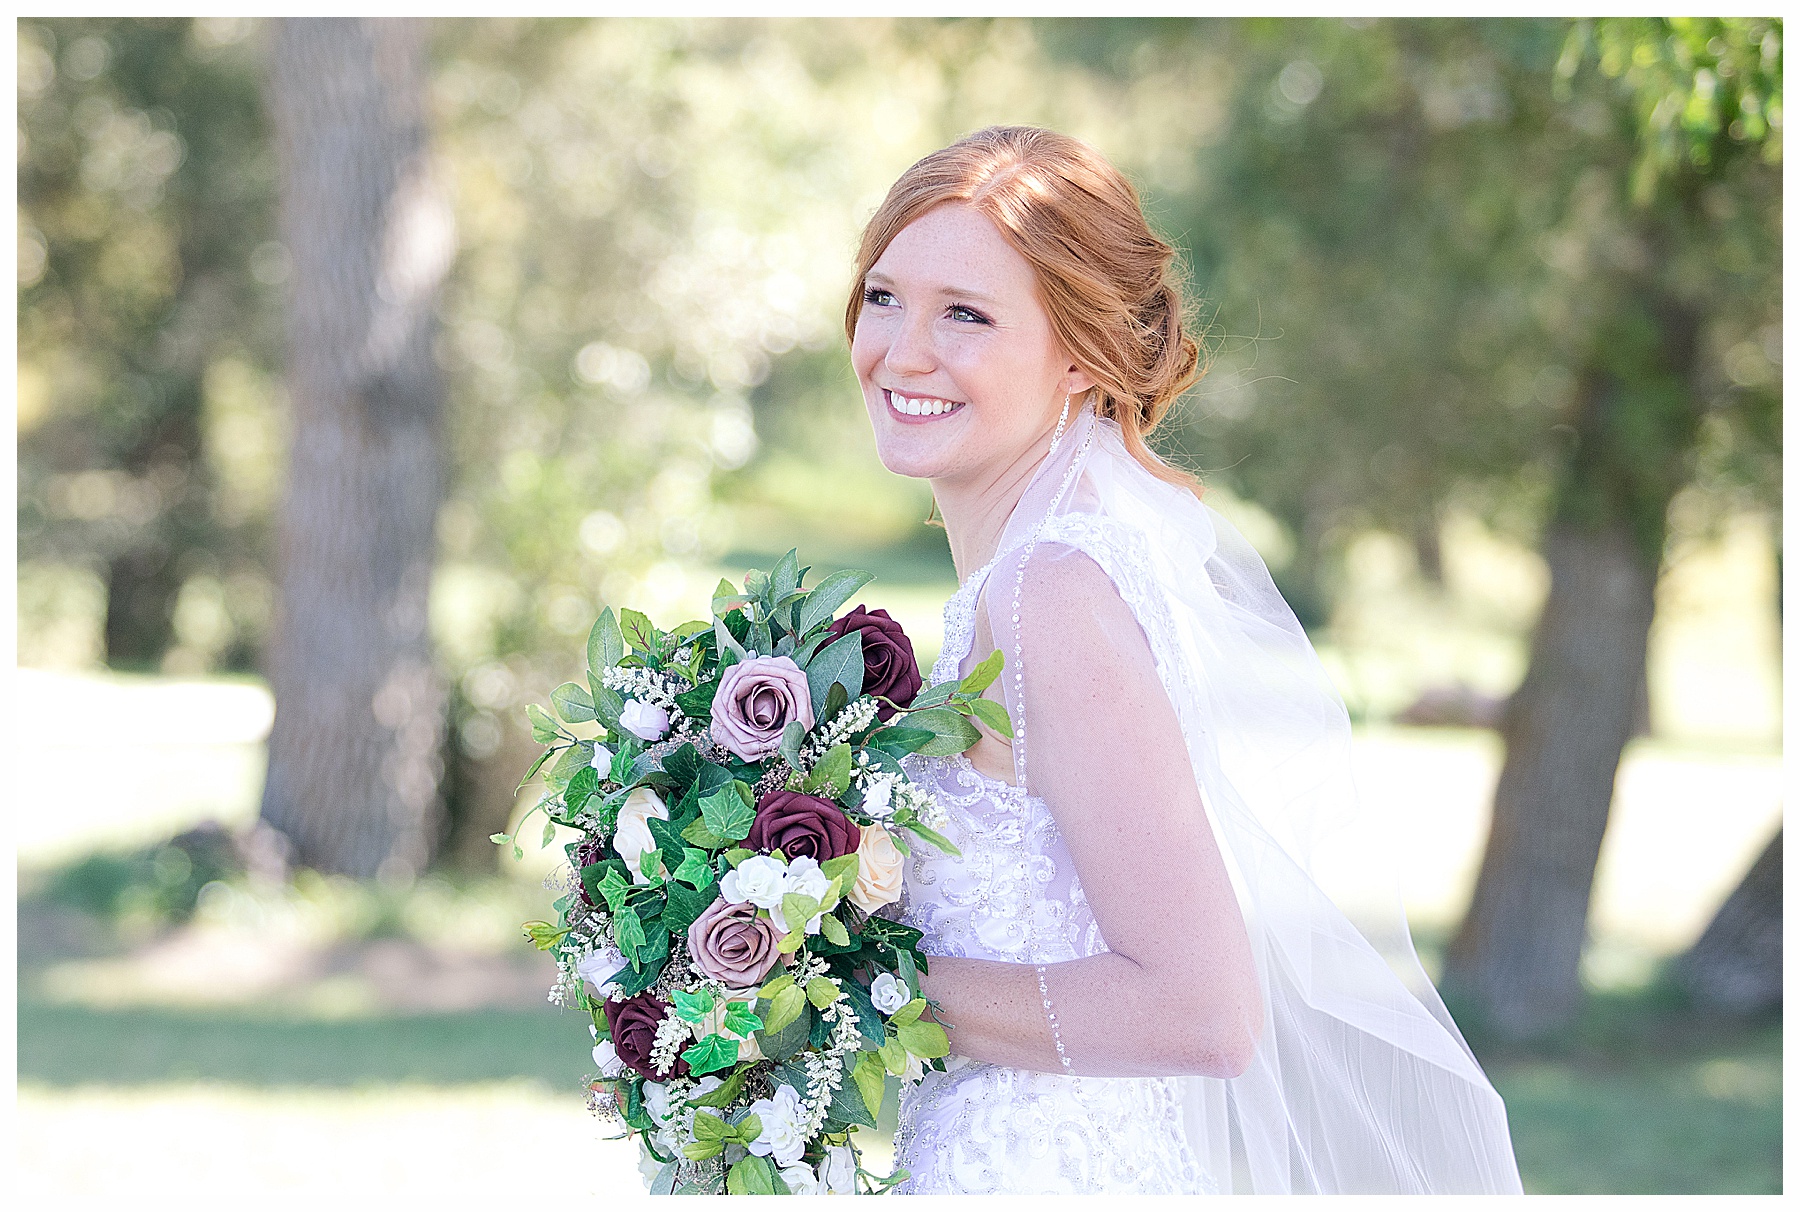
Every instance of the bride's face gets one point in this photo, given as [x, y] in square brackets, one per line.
[960, 370]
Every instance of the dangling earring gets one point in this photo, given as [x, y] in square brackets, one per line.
[1061, 423]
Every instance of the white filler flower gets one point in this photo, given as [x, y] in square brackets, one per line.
[889, 993]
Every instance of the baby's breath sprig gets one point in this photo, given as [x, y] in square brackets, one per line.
[856, 717]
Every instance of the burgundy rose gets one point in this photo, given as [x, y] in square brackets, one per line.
[731, 943]
[633, 1024]
[890, 669]
[797, 824]
[586, 855]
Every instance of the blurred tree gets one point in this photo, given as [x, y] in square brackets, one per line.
[355, 755]
[1498, 276]
[1695, 105]
[145, 200]
[1734, 967]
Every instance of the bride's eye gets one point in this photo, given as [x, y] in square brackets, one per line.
[874, 296]
[966, 314]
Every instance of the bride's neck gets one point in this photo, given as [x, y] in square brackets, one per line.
[975, 508]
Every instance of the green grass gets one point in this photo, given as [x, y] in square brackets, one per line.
[1640, 1099]
[72, 1046]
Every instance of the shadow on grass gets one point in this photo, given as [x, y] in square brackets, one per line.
[78, 1046]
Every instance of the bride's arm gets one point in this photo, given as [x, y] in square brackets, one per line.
[1176, 991]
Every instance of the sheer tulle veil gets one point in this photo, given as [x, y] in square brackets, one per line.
[1360, 1081]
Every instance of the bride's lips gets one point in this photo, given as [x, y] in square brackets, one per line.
[893, 398]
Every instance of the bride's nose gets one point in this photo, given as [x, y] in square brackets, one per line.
[910, 352]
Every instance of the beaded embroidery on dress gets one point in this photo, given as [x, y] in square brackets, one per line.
[1013, 895]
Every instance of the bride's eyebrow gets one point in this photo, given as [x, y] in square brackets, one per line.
[874, 277]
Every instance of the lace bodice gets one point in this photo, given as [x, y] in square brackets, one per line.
[1013, 895]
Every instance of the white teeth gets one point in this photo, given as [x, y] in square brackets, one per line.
[921, 406]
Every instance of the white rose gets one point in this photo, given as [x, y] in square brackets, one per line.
[801, 1180]
[759, 879]
[600, 965]
[878, 797]
[633, 836]
[804, 877]
[889, 993]
[607, 1060]
[837, 1173]
[780, 1137]
[602, 760]
[880, 870]
[656, 1101]
[646, 721]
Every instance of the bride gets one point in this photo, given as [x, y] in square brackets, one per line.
[1145, 955]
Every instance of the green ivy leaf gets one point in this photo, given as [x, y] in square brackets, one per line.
[613, 888]
[726, 815]
[628, 931]
[740, 1019]
[845, 865]
[711, 1054]
[697, 833]
[692, 1007]
[695, 871]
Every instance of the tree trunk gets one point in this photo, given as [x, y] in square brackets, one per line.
[1518, 952]
[1735, 966]
[355, 756]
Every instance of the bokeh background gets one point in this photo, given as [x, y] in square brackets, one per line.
[1494, 316]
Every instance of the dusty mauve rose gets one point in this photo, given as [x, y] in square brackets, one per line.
[633, 1023]
[890, 670]
[731, 943]
[880, 870]
[755, 701]
[797, 825]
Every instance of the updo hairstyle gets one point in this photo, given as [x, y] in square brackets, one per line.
[1109, 284]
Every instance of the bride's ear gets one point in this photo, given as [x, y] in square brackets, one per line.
[1076, 381]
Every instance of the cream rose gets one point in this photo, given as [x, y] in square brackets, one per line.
[880, 869]
[633, 836]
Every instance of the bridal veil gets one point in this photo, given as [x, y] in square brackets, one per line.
[1360, 1081]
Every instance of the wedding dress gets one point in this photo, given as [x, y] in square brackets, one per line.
[1360, 1081]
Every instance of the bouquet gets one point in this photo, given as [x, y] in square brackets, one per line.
[744, 819]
